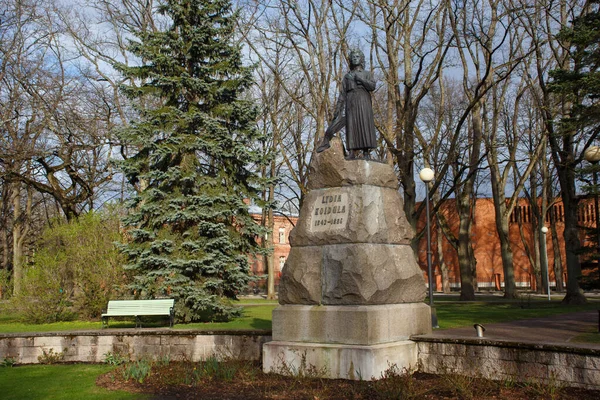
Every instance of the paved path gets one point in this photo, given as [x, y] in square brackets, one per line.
[558, 329]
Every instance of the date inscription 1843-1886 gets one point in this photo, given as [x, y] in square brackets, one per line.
[330, 212]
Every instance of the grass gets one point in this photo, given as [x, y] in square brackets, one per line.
[451, 314]
[459, 314]
[255, 317]
[256, 301]
[75, 381]
[591, 337]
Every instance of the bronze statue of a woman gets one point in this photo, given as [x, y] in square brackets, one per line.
[354, 110]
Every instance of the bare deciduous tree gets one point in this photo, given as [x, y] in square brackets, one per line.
[409, 42]
[543, 21]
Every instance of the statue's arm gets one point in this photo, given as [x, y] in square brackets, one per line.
[366, 80]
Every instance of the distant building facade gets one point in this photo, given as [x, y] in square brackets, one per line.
[524, 237]
[281, 248]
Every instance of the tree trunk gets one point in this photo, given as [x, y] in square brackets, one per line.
[6, 204]
[271, 256]
[268, 242]
[502, 228]
[541, 283]
[270, 276]
[17, 258]
[564, 160]
[444, 229]
[572, 244]
[538, 215]
[5, 252]
[5, 247]
[442, 263]
[465, 208]
[467, 289]
[510, 289]
[4, 266]
[558, 269]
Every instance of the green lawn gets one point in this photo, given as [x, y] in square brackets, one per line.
[255, 317]
[459, 314]
[256, 301]
[257, 314]
[76, 381]
[591, 337]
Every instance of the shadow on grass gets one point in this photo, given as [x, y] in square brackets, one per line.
[262, 324]
[590, 337]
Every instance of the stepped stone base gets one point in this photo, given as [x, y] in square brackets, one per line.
[345, 342]
[338, 361]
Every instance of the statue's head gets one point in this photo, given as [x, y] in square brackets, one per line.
[356, 58]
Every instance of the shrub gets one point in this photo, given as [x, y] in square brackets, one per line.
[115, 358]
[45, 293]
[75, 270]
[8, 362]
[50, 357]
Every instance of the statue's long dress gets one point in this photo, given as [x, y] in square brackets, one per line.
[360, 126]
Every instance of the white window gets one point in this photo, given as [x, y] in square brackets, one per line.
[281, 262]
[281, 235]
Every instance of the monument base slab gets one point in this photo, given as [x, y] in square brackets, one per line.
[357, 325]
[345, 342]
[338, 361]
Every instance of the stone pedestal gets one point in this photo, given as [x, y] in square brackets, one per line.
[336, 361]
[351, 292]
[348, 342]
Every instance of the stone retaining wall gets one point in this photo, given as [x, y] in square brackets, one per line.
[25, 348]
[498, 360]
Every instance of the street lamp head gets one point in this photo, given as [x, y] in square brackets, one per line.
[427, 175]
[592, 154]
[544, 230]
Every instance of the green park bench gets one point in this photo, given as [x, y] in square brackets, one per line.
[139, 308]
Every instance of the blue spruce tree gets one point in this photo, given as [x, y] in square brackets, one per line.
[190, 229]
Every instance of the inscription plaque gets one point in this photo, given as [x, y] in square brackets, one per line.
[330, 212]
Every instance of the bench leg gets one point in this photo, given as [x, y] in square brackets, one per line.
[138, 322]
[104, 322]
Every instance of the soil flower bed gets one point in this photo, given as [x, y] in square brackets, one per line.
[245, 380]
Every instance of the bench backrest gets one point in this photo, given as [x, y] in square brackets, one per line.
[143, 307]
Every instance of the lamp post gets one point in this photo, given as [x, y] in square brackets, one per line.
[426, 175]
[592, 155]
[544, 256]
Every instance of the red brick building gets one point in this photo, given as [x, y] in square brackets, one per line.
[281, 247]
[486, 245]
